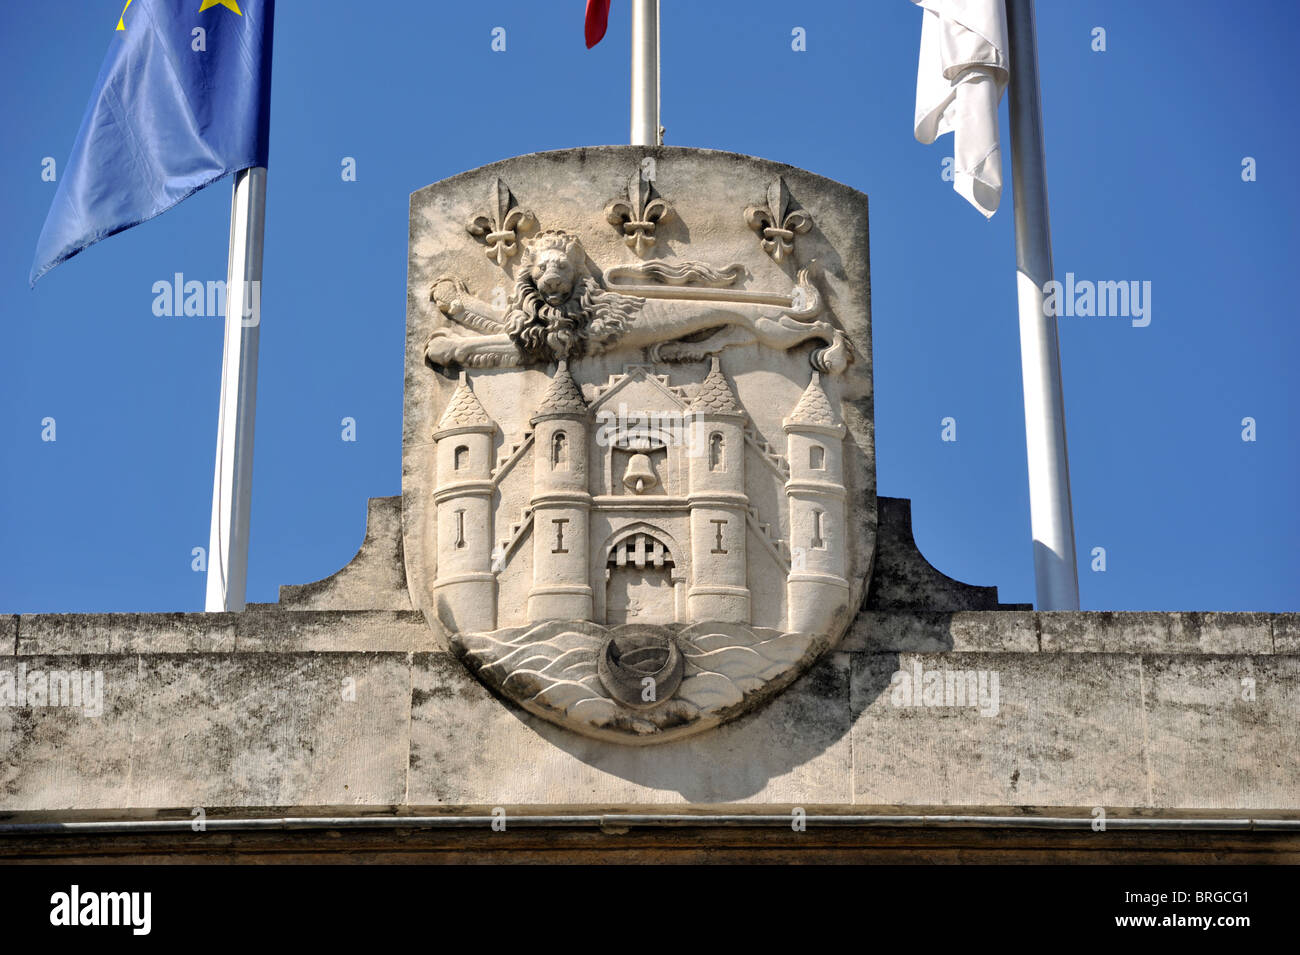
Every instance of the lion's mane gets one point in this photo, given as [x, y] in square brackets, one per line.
[589, 321]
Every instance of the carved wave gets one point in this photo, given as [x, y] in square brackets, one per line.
[551, 670]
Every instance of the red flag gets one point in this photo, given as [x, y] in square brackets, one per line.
[597, 21]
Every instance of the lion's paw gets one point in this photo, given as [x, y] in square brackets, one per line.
[446, 294]
[444, 348]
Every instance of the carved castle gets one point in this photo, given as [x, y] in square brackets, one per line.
[680, 515]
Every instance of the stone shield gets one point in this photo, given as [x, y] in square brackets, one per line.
[638, 488]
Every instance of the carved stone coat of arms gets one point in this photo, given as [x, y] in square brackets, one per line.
[638, 493]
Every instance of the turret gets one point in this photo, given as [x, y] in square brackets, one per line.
[719, 588]
[815, 495]
[465, 586]
[561, 504]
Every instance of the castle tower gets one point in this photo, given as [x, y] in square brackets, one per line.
[561, 504]
[815, 495]
[465, 585]
[718, 504]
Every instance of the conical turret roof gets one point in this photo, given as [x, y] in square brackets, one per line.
[714, 394]
[464, 409]
[814, 408]
[563, 396]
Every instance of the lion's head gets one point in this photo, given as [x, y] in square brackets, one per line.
[558, 309]
[553, 263]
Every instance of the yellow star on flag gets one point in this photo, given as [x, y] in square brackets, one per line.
[120, 24]
[228, 4]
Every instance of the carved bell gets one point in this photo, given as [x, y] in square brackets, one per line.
[640, 476]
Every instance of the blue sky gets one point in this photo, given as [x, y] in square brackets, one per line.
[1145, 144]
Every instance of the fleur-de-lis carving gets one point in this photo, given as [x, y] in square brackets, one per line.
[637, 217]
[778, 224]
[500, 228]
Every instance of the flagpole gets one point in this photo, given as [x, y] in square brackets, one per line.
[1056, 574]
[645, 72]
[233, 477]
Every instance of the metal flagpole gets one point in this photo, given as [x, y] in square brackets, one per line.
[233, 479]
[1051, 516]
[645, 72]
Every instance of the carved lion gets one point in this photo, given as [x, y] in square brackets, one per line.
[558, 309]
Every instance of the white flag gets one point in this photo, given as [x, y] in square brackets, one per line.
[959, 83]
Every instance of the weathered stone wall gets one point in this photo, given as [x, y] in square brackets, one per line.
[249, 710]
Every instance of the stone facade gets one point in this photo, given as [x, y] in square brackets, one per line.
[369, 707]
[639, 506]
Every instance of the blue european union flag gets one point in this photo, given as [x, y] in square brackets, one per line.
[183, 98]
